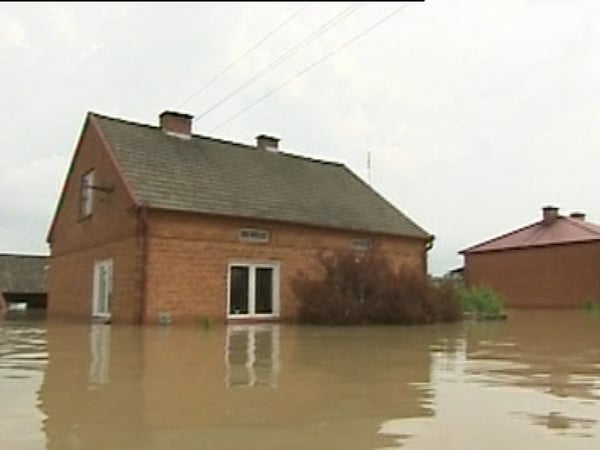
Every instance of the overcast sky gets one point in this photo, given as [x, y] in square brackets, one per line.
[476, 112]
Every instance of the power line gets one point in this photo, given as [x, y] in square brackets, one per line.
[311, 66]
[283, 57]
[314, 35]
[237, 60]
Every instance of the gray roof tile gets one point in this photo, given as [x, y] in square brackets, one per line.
[23, 274]
[211, 176]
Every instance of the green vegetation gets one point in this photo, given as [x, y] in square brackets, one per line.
[592, 307]
[164, 318]
[206, 323]
[365, 288]
[481, 302]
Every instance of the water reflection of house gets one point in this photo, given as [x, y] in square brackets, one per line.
[23, 281]
[85, 409]
[555, 352]
[327, 391]
[252, 356]
[253, 387]
[99, 372]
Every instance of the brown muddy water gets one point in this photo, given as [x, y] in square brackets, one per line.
[530, 382]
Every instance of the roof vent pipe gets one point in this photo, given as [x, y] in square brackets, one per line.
[264, 142]
[550, 214]
[578, 215]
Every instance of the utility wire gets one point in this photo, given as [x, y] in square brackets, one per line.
[237, 60]
[311, 66]
[285, 56]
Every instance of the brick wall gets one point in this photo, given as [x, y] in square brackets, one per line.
[553, 276]
[70, 282]
[188, 258]
[110, 232]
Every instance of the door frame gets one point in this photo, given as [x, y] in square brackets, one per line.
[252, 266]
[96, 301]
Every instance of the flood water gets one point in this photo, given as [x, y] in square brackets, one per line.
[532, 381]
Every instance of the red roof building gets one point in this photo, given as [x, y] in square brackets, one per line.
[554, 262]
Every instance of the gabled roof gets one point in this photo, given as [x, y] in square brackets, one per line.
[563, 230]
[207, 175]
[23, 274]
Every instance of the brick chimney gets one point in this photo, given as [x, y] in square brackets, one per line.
[550, 214]
[264, 142]
[176, 123]
[578, 215]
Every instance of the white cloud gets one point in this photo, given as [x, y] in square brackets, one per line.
[476, 113]
[12, 32]
[29, 194]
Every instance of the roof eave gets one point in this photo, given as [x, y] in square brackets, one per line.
[426, 237]
[525, 247]
[66, 180]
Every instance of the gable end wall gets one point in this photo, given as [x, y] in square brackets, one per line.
[110, 232]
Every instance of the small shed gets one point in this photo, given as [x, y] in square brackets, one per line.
[23, 280]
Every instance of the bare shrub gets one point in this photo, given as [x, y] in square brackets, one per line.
[365, 288]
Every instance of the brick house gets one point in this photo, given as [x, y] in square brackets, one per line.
[157, 223]
[554, 262]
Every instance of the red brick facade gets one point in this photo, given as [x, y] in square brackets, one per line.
[562, 275]
[111, 231]
[169, 263]
[188, 257]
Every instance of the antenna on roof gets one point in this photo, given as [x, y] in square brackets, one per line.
[369, 166]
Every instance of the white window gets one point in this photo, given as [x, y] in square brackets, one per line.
[252, 355]
[253, 290]
[253, 235]
[361, 244]
[87, 181]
